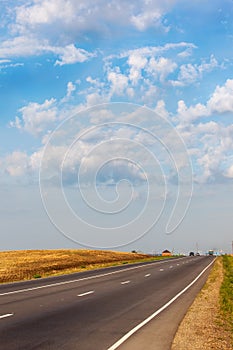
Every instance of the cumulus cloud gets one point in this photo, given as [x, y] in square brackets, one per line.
[190, 73]
[209, 142]
[118, 81]
[161, 67]
[36, 118]
[56, 26]
[143, 70]
[21, 165]
[147, 18]
[42, 12]
[188, 114]
[136, 63]
[70, 54]
[221, 101]
[161, 109]
[82, 17]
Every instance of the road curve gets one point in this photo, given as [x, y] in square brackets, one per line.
[103, 309]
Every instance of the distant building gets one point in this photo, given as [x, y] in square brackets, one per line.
[166, 253]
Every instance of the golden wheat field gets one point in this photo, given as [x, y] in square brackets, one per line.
[29, 264]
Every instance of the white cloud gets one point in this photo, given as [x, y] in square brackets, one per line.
[43, 12]
[11, 65]
[118, 81]
[229, 172]
[187, 114]
[161, 109]
[151, 51]
[69, 90]
[136, 63]
[20, 46]
[16, 164]
[186, 53]
[55, 26]
[70, 54]
[161, 67]
[36, 118]
[211, 145]
[96, 98]
[82, 17]
[144, 70]
[190, 73]
[24, 46]
[208, 66]
[221, 100]
[147, 19]
[5, 61]
[149, 93]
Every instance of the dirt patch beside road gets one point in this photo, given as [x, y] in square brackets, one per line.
[203, 327]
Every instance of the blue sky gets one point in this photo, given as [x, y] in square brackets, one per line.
[124, 109]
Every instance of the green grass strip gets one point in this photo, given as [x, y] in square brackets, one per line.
[226, 292]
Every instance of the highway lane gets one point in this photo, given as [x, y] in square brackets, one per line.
[90, 310]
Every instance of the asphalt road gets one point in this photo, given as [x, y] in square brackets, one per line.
[93, 310]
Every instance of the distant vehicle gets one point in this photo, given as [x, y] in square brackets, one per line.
[197, 254]
[191, 254]
[211, 252]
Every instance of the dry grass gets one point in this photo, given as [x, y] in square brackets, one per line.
[203, 327]
[29, 264]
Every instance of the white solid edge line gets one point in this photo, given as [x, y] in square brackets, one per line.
[86, 293]
[84, 278]
[6, 315]
[143, 323]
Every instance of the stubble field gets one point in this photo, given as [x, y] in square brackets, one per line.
[29, 264]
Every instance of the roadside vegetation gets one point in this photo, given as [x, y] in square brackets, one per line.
[29, 264]
[226, 294]
[208, 323]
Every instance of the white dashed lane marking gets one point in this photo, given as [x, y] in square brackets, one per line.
[125, 282]
[6, 315]
[161, 270]
[147, 275]
[86, 293]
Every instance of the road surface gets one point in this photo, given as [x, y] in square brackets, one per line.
[128, 307]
